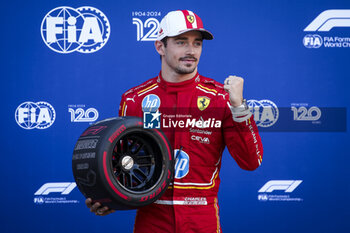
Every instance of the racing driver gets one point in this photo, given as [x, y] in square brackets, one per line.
[200, 117]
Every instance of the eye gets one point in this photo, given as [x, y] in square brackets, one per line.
[198, 43]
[179, 42]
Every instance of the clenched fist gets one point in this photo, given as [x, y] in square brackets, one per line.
[234, 86]
[97, 208]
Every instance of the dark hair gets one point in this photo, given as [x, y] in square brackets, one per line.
[165, 42]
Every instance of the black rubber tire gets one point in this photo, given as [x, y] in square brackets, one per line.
[122, 165]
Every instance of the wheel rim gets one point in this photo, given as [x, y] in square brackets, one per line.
[136, 162]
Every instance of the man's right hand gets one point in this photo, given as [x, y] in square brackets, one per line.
[97, 208]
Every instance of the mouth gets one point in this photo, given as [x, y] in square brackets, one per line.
[188, 60]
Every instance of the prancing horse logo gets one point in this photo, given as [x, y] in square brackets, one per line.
[203, 102]
[190, 18]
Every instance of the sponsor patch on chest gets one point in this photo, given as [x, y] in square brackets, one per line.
[201, 139]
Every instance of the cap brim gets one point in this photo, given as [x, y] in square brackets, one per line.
[206, 34]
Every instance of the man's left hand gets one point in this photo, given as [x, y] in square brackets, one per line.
[234, 86]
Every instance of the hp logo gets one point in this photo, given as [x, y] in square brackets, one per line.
[182, 165]
[150, 103]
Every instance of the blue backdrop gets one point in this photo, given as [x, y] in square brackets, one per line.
[64, 65]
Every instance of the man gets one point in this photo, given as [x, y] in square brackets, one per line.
[216, 116]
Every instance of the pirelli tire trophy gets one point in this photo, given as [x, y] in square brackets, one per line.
[122, 165]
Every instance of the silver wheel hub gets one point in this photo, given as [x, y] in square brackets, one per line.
[127, 162]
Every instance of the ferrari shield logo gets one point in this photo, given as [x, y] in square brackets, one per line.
[190, 18]
[203, 102]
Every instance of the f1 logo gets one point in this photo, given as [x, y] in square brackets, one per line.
[329, 19]
[287, 185]
[93, 130]
[64, 188]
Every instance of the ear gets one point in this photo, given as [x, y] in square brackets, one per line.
[159, 47]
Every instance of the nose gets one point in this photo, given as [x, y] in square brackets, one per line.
[190, 49]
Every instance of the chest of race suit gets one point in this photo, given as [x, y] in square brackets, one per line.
[192, 115]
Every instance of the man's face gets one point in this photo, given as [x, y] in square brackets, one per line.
[182, 52]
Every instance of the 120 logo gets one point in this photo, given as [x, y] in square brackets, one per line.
[304, 114]
[146, 30]
[151, 23]
[80, 115]
[85, 29]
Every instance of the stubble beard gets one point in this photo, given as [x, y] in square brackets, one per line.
[181, 70]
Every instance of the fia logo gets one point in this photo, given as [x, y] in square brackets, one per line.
[85, 29]
[265, 112]
[312, 41]
[80, 115]
[39, 200]
[30, 115]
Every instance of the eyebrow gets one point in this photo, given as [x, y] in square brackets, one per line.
[185, 38]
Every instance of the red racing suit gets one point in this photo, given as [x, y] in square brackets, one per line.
[196, 117]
